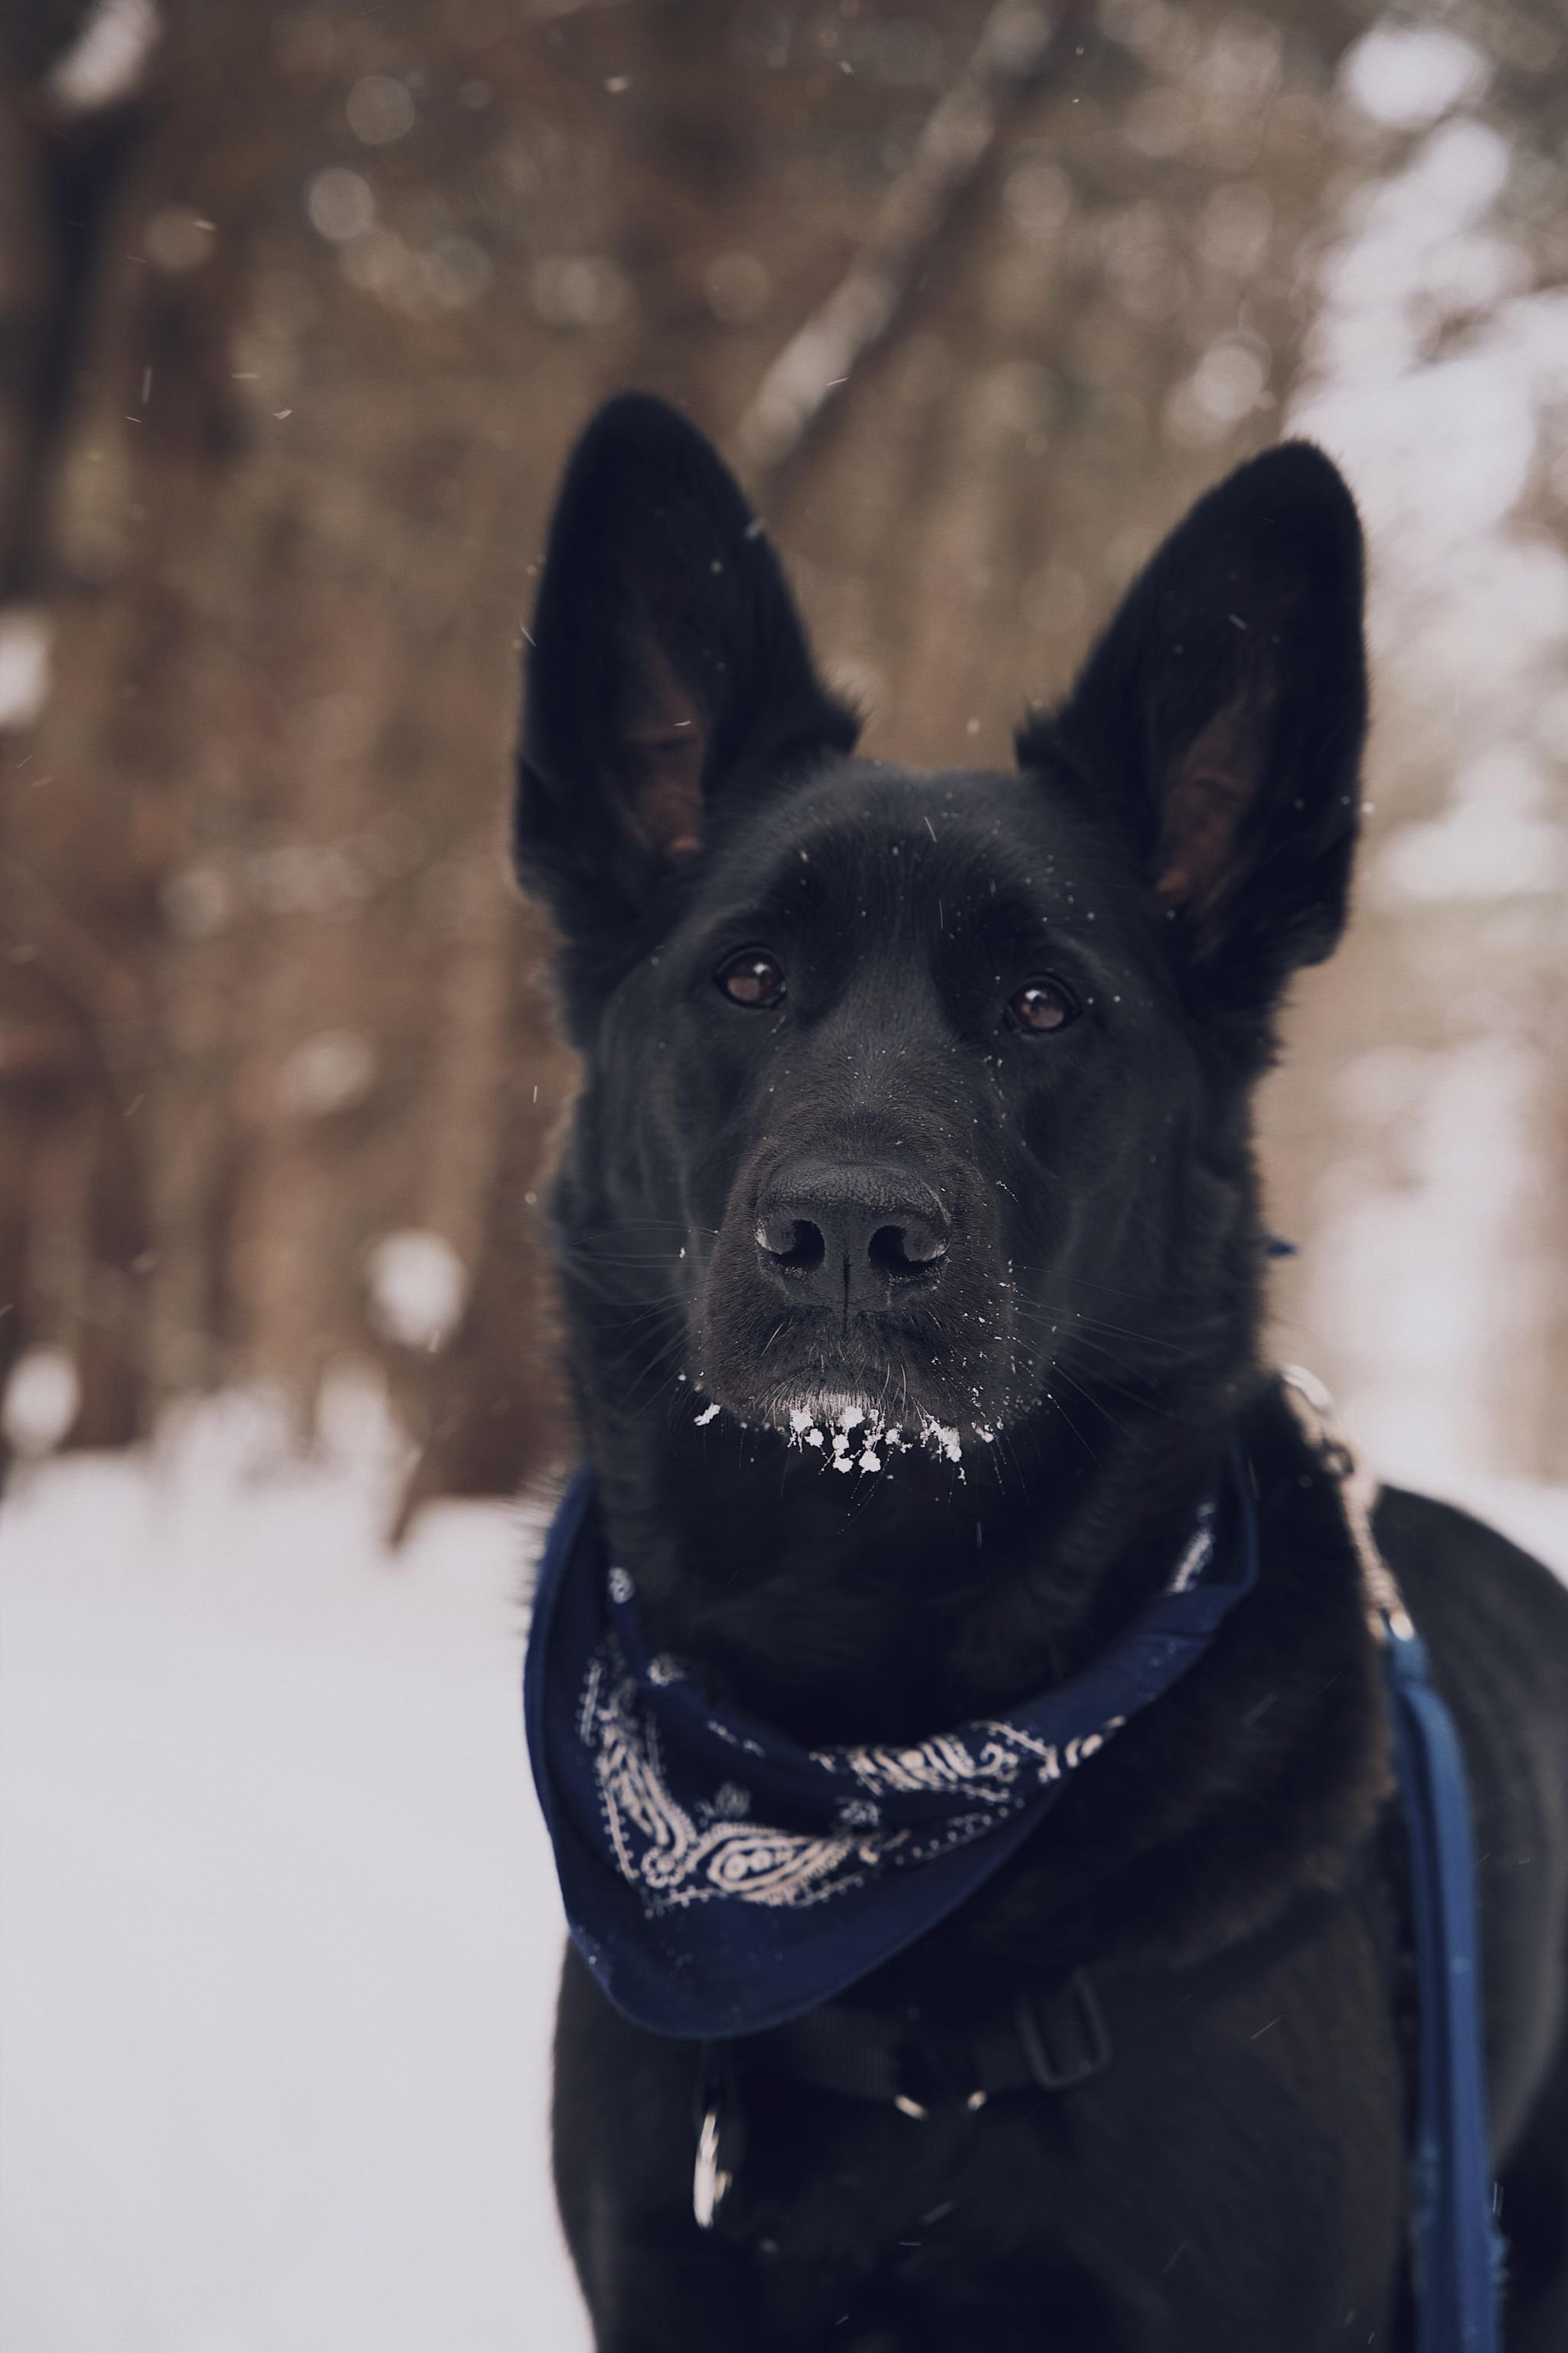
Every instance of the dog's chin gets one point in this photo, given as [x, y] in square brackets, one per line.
[867, 1402]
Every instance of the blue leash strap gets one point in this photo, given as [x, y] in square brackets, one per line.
[1458, 2248]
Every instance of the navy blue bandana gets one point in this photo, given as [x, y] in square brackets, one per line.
[719, 1878]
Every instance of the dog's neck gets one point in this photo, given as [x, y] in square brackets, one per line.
[885, 1605]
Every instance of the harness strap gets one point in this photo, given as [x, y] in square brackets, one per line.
[1056, 2037]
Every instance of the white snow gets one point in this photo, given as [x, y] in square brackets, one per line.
[1440, 387]
[107, 62]
[341, 204]
[418, 1287]
[380, 109]
[330, 1071]
[829, 1422]
[1407, 76]
[43, 1393]
[280, 1933]
[26, 638]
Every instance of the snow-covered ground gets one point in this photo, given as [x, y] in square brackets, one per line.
[280, 1931]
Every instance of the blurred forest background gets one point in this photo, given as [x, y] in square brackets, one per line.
[299, 310]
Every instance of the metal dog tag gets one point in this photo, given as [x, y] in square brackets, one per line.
[709, 2184]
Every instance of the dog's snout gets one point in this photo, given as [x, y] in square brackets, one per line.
[845, 1233]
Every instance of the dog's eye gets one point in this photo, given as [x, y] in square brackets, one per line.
[1040, 1005]
[752, 978]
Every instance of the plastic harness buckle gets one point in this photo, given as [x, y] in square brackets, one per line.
[1064, 2034]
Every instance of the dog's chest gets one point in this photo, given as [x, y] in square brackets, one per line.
[1220, 2159]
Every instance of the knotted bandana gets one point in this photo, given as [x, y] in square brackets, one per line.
[718, 1877]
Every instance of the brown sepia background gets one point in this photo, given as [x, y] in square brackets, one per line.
[299, 310]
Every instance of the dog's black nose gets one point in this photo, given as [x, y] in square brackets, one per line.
[848, 1232]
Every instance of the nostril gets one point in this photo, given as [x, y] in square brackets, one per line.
[809, 1248]
[906, 1249]
[792, 1242]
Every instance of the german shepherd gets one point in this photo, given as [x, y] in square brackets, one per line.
[920, 1102]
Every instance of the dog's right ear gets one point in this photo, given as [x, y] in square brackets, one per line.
[1220, 718]
[665, 660]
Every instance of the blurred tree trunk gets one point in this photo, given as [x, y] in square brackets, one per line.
[73, 1029]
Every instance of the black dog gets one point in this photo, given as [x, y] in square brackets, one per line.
[925, 1099]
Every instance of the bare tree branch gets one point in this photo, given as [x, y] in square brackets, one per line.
[821, 357]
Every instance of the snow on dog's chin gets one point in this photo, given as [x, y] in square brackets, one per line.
[853, 1434]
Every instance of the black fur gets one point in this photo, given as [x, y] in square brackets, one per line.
[881, 1189]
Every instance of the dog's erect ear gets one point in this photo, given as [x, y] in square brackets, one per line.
[665, 656]
[1225, 709]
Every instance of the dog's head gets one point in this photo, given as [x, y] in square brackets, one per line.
[917, 1100]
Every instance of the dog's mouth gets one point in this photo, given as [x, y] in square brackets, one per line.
[847, 1432]
[850, 1435]
[863, 1416]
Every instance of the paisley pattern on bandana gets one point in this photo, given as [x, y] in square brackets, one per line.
[719, 1877]
[673, 1854]
[676, 1852]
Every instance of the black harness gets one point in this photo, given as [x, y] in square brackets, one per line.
[1056, 2037]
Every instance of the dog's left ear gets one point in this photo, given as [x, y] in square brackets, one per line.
[665, 661]
[1224, 711]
